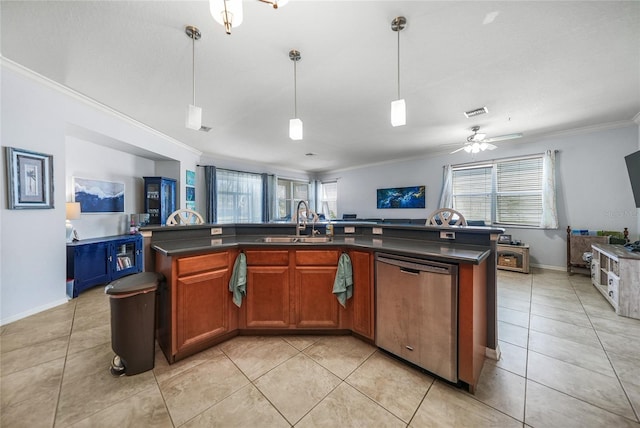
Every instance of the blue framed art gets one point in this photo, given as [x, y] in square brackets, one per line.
[401, 197]
[97, 196]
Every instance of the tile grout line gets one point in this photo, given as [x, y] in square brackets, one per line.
[64, 365]
[606, 352]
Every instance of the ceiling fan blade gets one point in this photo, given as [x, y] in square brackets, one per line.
[502, 138]
[490, 146]
[456, 151]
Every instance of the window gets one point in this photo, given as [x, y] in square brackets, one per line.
[505, 192]
[290, 192]
[329, 199]
[239, 197]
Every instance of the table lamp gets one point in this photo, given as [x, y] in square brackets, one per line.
[73, 213]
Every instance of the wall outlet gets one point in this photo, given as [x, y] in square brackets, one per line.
[217, 241]
[376, 231]
[216, 231]
[376, 242]
[349, 229]
[447, 235]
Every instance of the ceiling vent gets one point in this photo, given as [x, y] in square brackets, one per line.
[476, 112]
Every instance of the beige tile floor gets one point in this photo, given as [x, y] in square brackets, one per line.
[567, 361]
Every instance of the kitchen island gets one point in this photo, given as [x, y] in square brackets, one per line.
[289, 283]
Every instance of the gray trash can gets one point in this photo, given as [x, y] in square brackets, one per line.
[133, 302]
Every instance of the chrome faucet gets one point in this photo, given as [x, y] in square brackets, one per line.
[302, 224]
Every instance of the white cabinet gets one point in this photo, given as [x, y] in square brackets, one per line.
[615, 272]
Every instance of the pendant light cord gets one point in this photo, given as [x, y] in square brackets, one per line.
[193, 65]
[398, 63]
[295, 89]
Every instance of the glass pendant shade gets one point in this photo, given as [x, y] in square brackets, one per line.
[398, 113]
[229, 16]
[194, 117]
[295, 129]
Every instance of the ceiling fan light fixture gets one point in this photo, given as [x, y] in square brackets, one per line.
[276, 3]
[227, 13]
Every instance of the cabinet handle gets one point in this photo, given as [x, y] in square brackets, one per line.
[410, 348]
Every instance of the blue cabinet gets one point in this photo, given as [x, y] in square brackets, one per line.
[101, 260]
[159, 198]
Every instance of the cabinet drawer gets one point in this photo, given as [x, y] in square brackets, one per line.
[317, 258]
[194, 264]
[267, 258]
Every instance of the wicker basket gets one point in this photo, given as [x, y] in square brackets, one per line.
[507, 260]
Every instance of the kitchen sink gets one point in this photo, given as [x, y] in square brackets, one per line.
[296, 239]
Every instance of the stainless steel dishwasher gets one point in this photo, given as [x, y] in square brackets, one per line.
[417, 312]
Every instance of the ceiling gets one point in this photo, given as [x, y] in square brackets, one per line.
[540, 67]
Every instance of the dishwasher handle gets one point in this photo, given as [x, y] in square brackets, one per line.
[415, 266]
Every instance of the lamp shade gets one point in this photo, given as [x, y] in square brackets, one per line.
[194, 117]
[295, 129]
[231, 18]
[73, 210]
[398, 113]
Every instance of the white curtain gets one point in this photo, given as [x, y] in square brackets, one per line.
[446, 197]
[549, 218]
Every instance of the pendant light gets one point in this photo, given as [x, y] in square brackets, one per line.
[227, 13]
[295, 124]
[194, 114]
[398, 107]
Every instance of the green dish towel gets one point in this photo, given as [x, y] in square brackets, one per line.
[343, 284]
[238, 282]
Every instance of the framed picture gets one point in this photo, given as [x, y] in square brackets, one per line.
[401, 197]
[96, 196]
[29, 179]
[190, 178]
[504, 239]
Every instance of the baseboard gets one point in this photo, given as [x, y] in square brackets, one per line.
[549, 267]
[33, 311]
[493, 354]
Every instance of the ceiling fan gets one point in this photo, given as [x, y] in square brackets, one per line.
[478, 142]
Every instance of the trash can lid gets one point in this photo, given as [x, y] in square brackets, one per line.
[139, 282]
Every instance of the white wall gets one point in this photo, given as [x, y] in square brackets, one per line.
[593, 187]
[88, 160]
[39, 115]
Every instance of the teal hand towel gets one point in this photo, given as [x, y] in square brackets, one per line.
[343, 284]
[238, 282]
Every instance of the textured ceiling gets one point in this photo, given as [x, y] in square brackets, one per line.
[540, 68]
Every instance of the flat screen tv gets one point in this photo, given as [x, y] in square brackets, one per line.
[633, 167]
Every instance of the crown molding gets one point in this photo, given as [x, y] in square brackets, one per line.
[65, 90]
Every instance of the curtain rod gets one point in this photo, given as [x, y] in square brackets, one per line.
[500, 159]
[234, 170]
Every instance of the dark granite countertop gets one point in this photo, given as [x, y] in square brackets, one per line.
[444, 251]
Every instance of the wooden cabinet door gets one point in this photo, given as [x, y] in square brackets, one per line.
[267, 300]
[201, 307]
[363, 301]
[316, 305]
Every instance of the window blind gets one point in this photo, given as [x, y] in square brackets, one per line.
[505, 192]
